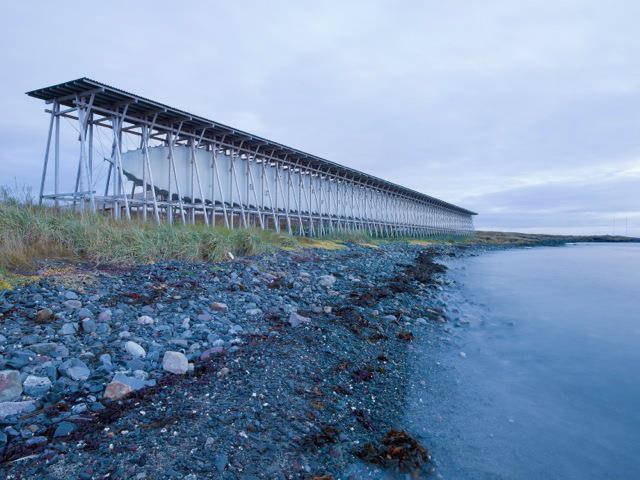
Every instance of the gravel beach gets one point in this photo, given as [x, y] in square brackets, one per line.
[283, 365]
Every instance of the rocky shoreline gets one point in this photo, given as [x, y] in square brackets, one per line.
[283, 365]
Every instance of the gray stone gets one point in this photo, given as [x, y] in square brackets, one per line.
[295, 320]
[10, 385]
[254, 311]
[103, 329]
[75, 369]
[122, 385]
[7, 409]
[147, 310]
[84, 313]
[35, 386]
[211, 352]
[134, 382]
[175, 362]
[73, 304]
[88, 325]
[145, 320]
[79, 408]
[69, 329]
[135, 349]
[36, 441]
[50, 349]
[219, 307]
[69, 295]
[105, 359]
[19, 359]
[326, 280]
[235, 329]
[104, 316]
[221, 461]
[117, 390]
[64, 429]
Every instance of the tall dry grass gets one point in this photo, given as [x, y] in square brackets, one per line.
[29, 232]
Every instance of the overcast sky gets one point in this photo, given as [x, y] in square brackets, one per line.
[527, 112]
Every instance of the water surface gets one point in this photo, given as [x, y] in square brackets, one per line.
[539, 376]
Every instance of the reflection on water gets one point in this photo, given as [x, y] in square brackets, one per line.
[540, 377]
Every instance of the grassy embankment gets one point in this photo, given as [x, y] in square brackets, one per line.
[30, 233]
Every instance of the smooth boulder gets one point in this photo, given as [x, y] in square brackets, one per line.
[135, 350]
[175, 362]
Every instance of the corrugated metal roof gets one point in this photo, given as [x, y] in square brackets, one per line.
[107, 96]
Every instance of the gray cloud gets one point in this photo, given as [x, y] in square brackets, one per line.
[483, 104]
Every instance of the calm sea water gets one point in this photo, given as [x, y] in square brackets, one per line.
[539, 376]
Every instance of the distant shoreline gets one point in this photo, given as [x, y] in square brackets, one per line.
[536, 239]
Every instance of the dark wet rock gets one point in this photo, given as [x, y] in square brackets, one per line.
[64, 429]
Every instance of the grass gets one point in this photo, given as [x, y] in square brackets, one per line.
[29, 232]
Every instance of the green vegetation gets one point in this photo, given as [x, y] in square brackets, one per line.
[29, 232]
